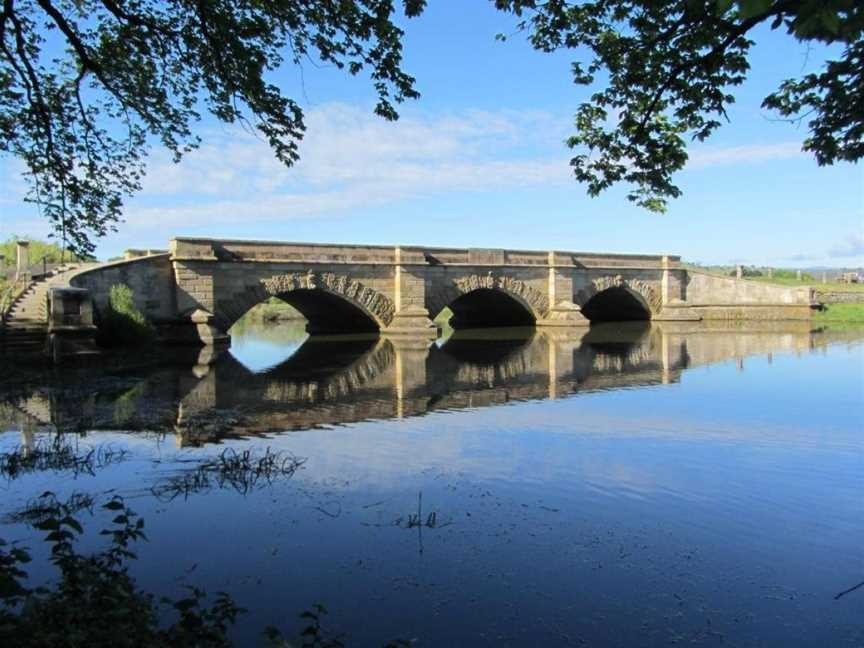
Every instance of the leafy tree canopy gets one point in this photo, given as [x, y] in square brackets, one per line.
[668, 68]
[85, 84]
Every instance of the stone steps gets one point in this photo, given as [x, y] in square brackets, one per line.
[24, 329]
[23, 340]
[32, 303]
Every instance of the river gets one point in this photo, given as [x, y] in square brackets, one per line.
[627, 485]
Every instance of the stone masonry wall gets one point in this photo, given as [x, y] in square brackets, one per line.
[839, 297]
[710, 290]
[150, 278]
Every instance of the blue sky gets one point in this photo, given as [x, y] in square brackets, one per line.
[479, 161]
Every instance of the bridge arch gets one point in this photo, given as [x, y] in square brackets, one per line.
[487, 301]
[330, 302]
[615, 298]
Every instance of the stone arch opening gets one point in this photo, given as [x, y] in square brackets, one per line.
[488, 308]
[328, 313]
[616, 304]
[330, 303]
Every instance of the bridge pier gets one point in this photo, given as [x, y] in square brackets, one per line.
[562, 311]
[409, 297]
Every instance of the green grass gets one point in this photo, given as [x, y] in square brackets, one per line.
[831, 286]
[840, 313]
[272, 310]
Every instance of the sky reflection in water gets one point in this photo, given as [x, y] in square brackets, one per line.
[637, 486]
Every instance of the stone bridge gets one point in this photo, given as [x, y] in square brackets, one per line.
[200, 287]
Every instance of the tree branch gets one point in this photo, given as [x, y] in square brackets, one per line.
[32, 84]
[736, 33]
[80, 49]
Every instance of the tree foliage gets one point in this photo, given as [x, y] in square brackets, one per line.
[86, 84]
[38, 250]
[95, 601]
[668, 67]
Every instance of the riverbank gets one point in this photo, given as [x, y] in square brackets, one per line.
[836, 313]
[830, 286]
[274, 310]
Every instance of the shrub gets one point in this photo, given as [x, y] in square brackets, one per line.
[792, 274]
[95, 601]
[122, 323]
[746, 271]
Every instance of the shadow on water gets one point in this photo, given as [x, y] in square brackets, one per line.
[486, 346]
[321, 357]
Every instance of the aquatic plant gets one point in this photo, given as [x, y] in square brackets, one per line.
[58, 453]
[415, 520]
[43, 507]
[315, 635]
[242, 471]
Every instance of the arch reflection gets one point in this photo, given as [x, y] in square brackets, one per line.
[339, 380]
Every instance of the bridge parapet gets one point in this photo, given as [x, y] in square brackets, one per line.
[204, 249]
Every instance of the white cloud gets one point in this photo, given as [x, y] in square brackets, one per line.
[702, 158]
[851, 246]
[352, 160]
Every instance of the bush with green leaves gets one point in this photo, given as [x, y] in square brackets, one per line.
[95, 602]
[121, 323]
[746, 271]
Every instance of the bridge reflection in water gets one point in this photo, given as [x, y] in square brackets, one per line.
[339, 380]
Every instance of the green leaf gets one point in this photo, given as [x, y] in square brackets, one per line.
[750, 8]
[830, 21]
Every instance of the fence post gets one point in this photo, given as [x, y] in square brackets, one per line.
[22, 269]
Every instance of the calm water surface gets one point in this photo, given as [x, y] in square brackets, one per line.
[628, 486]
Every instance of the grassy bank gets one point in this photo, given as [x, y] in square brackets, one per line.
[840, 313]
[831, 286]
[273, 310]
